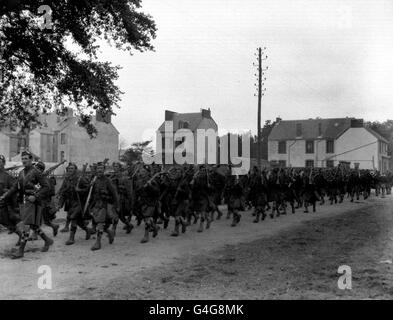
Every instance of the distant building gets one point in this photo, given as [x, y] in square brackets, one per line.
[191, 121]
[61, 138]
[326, 143]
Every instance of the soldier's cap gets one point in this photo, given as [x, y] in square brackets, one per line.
[27, 153]
[2, 158]
[40, 165]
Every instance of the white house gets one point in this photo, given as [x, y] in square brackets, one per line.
[326, 143]
[61, 138]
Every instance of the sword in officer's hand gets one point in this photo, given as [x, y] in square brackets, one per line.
[89, 195]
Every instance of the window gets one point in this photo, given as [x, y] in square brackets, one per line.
[329, 146]
[310, 146]
[63, 138]
[282, 163]
[298, 130]
[282, 147]
[62, 156]
[329, 163]
[309, 163]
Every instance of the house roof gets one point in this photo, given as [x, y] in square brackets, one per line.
[193, 119]
[377, 135]
[330, 128]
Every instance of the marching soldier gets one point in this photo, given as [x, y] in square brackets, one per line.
[104, 200]
[31, 188]
[72, 196]
[148, 193]
[48, 206]
[8, 215]
[123, 187]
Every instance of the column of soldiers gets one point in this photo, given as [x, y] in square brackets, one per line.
[97, 200]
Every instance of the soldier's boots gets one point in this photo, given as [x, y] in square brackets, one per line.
[114, 227]
[66, 227]
[48, 241]
[19, 238]
[166, 222]
[146, 236]
[21, 250]
[129, 227]
[89, 233]
[208, 221]
[55, 228]
[111, 235]
[257, 214]
[71, 239]
[236, 219]
[219, 214]
[155, 230]
[175, 232]
[97, 244]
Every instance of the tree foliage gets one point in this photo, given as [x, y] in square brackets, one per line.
[135, 152]
[39, 72]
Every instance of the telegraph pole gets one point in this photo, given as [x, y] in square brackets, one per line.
[260, 93]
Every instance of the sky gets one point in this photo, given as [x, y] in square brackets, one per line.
[326, 59]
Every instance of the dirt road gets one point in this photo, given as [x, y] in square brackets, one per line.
[294, 256]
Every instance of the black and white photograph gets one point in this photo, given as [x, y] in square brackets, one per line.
[196, 150]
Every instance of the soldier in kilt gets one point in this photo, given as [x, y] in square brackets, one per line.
[148, 194]
[235, 192]
[31, 188]
[72, 196]
[123, 187]
[200, 197]
[258, 193]
[104, 205]
[9, 216]
[181, 203]
[48, 204]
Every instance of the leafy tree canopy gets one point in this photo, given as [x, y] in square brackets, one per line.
[38, 73]
[135, 152]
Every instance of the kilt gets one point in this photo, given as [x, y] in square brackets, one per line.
[8, 216]
[148, 211]
[49, 212]
[182, 209]
[30, 213]
[200, 204]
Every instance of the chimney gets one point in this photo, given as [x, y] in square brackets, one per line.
[357, 123]
[206, 113]
[169, 115]
[103, 116]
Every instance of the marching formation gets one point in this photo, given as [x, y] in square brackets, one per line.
[96, 200]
